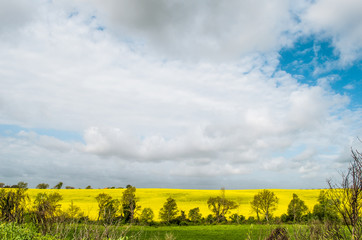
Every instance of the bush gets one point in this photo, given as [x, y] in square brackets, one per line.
[13, 204]
[11, 231]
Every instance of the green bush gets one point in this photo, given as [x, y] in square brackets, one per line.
[12, 231]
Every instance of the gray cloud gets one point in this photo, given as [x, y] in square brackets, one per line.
[16, 14]
[203, 29]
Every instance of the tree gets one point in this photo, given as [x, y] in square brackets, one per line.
[296, 208]
[42, 186]
[129, 204]
[324, 210]
[169, 210]
[69, 187]
[2, 185]
[88, 187]
[195, 215]
[108, 208]
[58, 186]
[147, 215]
[236, 218]
[347, 196]
[264, 202]
[73, 211]
[220, 206]
[46, 208]
[13, 204]
[23, 185]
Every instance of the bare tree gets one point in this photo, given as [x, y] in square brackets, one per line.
[347, 196]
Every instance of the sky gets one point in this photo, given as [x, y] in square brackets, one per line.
[179, 94]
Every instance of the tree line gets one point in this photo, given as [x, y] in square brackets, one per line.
[341, 203]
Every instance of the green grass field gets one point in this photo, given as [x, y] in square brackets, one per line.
[200, 232]
[186, 199]
[227, 232]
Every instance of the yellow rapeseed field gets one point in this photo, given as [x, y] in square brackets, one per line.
[154, 198]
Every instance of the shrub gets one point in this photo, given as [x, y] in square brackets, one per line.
[13, 204]
[12, 231]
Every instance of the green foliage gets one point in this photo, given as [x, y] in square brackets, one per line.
[22, 185]
[194, 215]
[58, 186]
[73, 212]
[108, 208]
[264, 202]
[325, 210]
[2, 185]
[42, 186]
[11, 231]
[147, 215]
[88, 187]
[220, 206]
[296, 208]
[169, 210]
[236, 218]
[13, 204]
[46, 209]
[129, 204]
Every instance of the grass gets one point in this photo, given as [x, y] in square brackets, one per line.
[200, 232]
[186, 199]
[227, 232]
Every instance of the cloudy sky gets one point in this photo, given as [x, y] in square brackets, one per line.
[179, 94]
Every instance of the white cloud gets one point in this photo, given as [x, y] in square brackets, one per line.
[342, 22]
[168, 119]
[349, 87]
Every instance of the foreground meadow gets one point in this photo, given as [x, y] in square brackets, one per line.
[186, 199]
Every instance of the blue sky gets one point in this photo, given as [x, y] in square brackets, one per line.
[308, 54]
[202, 95]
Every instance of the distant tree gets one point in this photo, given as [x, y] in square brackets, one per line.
[58, 186]
[264, 202]
[210, 219]
[255, 207]
[73, 211]
[23, 185]
[296, 208]
[147, 215]
[169, 210]
[108, 208]
[46, 209]
[129, 204]
[42, 186]
[221, 206]
[14, 186]
[2, 185]
[13, 204]
[88, 187]
[182, 218]
[128, 186]
[195, 215]
[325, 210]
[69, 187]
[236, 218]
